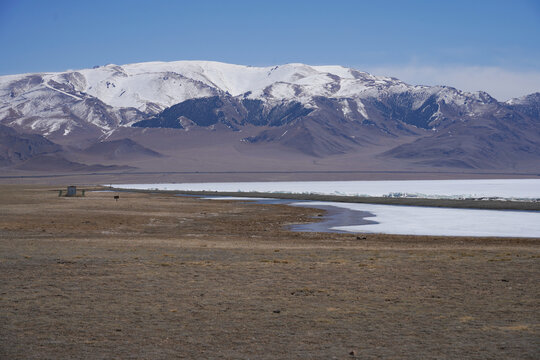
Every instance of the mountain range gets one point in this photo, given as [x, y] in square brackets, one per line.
[210, 116]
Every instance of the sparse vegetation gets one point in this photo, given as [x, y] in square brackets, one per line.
[127, 279]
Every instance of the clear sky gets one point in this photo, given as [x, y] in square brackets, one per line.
[473, 45]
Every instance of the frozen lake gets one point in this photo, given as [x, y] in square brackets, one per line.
[417, 220]
[393, 219]
[413, 220]
[516, 189]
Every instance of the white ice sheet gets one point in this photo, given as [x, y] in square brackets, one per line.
[491, 188]
[416, 220]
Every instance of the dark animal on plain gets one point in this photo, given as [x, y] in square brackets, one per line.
[116, 197]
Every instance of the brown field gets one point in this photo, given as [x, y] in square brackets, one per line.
[155, 276]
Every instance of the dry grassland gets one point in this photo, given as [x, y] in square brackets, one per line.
[155, 276]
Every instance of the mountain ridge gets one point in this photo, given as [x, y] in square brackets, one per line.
[317, 111]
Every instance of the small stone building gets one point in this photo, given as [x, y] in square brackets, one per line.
[71, 191]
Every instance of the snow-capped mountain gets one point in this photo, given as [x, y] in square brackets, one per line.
[110, 96]
[529, 105]
[314, 110]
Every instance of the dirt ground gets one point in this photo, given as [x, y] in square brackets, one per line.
[156, 276]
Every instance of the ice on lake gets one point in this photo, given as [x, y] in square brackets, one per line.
[519, 189]
[417, 220]
[414, 220]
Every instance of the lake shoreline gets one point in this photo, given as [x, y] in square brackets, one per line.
[424, 202]
[407, 220]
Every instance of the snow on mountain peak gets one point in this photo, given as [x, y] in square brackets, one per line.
[105, 97]
[157, 85]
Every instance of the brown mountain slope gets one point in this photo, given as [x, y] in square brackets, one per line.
[16, 147]
[121, 149]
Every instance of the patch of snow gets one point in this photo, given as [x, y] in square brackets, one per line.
[345, 107]
[361, 108]
[282, 90]
[63, 92]
[49, 125]
[106, 135]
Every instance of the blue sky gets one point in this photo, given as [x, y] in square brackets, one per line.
[490, 45]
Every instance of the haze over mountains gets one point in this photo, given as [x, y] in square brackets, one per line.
[209, 116]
